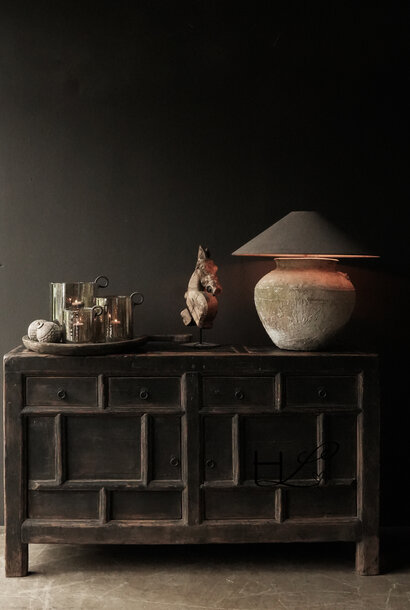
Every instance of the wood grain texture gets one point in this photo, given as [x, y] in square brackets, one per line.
[171, 532]
[16, 555]
[368, 499]
[192, 454]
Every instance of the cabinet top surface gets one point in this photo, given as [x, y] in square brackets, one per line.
[157, 351]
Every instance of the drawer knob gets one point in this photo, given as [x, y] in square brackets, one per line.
[174, 461]
[62, 394]
[144, 394]
[210, 464]
[239, 395]
[322, 393]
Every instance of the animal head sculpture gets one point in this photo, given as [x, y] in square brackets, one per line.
[207, 270]
[200, 297]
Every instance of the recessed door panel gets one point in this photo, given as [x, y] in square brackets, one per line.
[341, 432]
[217, 454]
[40, 436]
[277, 447]
[166, 447]
[63, 505]
[320, 502]
[239, 503]
[130, 505]
[103, 447]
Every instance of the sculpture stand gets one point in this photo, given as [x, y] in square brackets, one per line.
[200, 344]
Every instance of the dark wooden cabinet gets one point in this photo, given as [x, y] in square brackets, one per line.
[233, 445]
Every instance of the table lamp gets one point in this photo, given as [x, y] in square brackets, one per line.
[304, 301]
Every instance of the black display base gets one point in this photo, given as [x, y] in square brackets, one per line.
[200, 344]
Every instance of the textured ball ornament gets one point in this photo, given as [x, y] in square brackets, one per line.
[49, 332]
[32, 329]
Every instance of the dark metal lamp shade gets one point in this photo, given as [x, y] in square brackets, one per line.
[303, 234]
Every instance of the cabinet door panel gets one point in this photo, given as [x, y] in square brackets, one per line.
[166, 447]
[217, 454]
[342, 429]
[281, 440]
[103, 447]
[40, 438]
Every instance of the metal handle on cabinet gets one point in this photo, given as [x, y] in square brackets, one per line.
[144, 394]
[174, 461]
[239, 395]
[321, 392]
[210, 464]
[62, 394]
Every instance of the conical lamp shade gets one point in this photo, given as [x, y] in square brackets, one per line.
[303, 234]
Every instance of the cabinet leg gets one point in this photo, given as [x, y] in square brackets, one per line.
[367, 556]
[16, 558]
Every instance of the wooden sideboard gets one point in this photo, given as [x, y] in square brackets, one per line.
[171, 447]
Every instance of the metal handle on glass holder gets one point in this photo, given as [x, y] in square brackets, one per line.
[105, 283]
[137, 298]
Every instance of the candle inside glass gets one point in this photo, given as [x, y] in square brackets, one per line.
[77, 331]
[74, 303]
[115, 329]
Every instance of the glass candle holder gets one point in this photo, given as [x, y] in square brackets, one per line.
[73, 294]
[80, 323]
[118, 312]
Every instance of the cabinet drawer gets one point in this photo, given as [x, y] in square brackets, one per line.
[321, 390]
[238, 391]
[144, 391]
[61, 391]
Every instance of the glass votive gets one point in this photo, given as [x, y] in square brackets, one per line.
[80, 323]
[64, 295]
[118, 312]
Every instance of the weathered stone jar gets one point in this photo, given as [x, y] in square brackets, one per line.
[303, 302]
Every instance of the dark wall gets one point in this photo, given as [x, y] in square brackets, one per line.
[130, 132]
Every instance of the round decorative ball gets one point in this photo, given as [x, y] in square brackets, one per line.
[32, 329]
[49, 332]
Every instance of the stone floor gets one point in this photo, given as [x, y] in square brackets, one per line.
[251, 577]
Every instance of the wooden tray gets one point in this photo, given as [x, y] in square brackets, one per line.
[99, 349]
[84, 349]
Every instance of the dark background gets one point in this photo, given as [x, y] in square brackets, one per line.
[132, 131]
